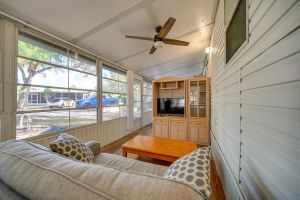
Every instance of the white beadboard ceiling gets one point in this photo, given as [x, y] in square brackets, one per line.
[100, 26]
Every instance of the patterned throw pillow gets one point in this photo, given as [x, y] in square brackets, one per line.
[193, 169]
[72, 147]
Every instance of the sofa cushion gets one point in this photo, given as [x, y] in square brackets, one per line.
[8, 193]
[72, 147]
[40, 174]
[193, 169]
[129, 164]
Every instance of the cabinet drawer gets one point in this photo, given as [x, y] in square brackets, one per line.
[161, 121]
[198, 123]
[177, 122]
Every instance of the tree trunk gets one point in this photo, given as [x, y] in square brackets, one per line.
[23, 93]
[23, 97]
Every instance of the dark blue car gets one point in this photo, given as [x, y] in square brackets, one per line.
[91, 102]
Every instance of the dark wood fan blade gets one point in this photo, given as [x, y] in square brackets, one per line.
[139, 37]
[176, 42]
[152, 50]
[166, 28]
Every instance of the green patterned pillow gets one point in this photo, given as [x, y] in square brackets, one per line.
[70, 146]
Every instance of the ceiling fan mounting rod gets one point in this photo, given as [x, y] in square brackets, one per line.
[157, 38]
[157, 29]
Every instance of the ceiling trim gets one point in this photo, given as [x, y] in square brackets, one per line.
[115, 19]
[178, 37]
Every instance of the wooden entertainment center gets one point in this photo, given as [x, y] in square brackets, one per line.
[193, 123]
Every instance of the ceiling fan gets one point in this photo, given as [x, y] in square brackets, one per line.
[160, 38]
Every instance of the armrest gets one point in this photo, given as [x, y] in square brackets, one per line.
[94, 146]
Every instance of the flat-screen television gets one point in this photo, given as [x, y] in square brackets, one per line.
[171, 106]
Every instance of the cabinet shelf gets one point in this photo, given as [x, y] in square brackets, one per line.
[169, 85]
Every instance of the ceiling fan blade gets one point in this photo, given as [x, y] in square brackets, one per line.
[139, 37]
[166, 28]
[152, 50]
[176, 42]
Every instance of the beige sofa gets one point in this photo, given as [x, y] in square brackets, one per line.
[31, 171]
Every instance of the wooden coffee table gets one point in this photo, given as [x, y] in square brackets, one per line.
[158, 147]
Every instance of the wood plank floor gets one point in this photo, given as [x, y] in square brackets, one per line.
[115, 148]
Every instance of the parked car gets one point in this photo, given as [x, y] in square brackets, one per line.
[61, 103]
[92, 102]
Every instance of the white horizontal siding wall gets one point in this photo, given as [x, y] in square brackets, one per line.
[225, 110]
[256, 103]
[229, 182]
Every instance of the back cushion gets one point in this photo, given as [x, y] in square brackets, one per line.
[40, 174]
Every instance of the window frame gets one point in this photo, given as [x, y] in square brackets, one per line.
[141, 98]
[68, 88]
[227, 24]
[119, 71]
[147, 95]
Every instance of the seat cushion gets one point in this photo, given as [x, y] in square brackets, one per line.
[128, 164]
[8, 193]
[39, 174]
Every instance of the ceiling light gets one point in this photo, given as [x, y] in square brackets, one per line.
[159, 44]
[207, 50]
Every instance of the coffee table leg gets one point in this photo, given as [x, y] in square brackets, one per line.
[124, 152]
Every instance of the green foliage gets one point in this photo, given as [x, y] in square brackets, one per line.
[40, 52]
[47, 93]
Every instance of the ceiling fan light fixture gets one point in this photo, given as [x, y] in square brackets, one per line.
[159, 44]
[207, 50]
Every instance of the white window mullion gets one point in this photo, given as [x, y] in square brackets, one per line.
[99, 94]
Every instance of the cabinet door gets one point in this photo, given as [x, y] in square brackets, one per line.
[194, 133]
[203, 136]
[198, 132]
[173, 131]
[157, 129]
[178, 129]
[165, 130]
[182, 133]
[197, 99]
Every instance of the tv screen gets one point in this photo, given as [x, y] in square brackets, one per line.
[170, 106]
